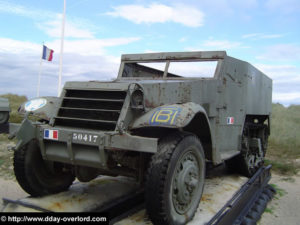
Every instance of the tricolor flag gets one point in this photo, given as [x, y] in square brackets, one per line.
[47, 53]
[51, 134]
[230, 120]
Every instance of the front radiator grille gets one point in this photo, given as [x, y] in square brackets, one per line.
[90, 109]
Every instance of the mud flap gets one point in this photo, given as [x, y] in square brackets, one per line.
[25, 133]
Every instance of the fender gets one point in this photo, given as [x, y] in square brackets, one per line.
[171, 116]
[41, 107]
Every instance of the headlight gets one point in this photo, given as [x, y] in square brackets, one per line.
[137, 100]
[35, 104]
[43, 108]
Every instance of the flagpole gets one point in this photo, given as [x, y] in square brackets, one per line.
[40, 73]
[61, 49]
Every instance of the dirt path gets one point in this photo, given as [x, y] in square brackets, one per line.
[284, 209]
[281, 210]
[10, 189]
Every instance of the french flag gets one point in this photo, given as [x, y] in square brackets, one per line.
[51, 134]
[230, 120]
[47, 53]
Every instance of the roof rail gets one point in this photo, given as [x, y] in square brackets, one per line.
[162, 56]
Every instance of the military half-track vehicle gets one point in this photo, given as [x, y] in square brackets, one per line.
[4, 115]
[161, 121]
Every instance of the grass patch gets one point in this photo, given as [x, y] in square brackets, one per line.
[14, 102]
[284, 168]
[284, 141]
[269, 210]
[6, 164]
[3, 137]
[279, 191]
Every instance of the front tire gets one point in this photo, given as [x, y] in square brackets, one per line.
[175, 179]
[34, 176]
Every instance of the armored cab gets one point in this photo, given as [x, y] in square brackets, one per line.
[163, 118]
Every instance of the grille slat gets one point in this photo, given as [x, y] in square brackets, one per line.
[96, 99]
[100, 110]
[97, 121]
[90, 109]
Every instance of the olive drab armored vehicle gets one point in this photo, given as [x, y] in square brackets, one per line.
[161, 121]
[4, 115]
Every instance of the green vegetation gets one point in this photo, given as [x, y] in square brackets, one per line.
[285, 168]
[285, 130]
[284, 142]
[279, 191]
[270, 210]
[15, 101]
[6, 163]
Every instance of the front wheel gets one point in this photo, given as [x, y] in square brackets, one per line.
[175, 179]
[34, 174]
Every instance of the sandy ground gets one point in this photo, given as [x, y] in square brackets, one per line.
[11, 190]
[282, 209]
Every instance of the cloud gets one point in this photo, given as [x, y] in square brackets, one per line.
[83, 60]
[281, 52]
[159, 13]
[92, 46]
[82, 47]
[286, 82]
[257, 36]
[17, 47]
[50, 22]
[19, 10]
[53, 28]
[193, 69]
[19, 73]
[280, 72]
[287, 98]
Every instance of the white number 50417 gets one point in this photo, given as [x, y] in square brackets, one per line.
[85, 137]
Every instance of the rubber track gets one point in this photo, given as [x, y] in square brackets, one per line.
[259, 206]
[157, 171]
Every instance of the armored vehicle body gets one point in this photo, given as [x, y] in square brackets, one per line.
[4, 115]
[163, 118]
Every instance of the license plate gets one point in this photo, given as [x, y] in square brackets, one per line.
[85, 138]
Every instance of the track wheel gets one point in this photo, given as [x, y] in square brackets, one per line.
[34, 174]
[249, 160]
[175, 179]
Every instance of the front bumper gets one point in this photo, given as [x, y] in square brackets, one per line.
[88, 148]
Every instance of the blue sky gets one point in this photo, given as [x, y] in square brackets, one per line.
[264, 33]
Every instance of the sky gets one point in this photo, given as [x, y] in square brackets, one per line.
[266, 33]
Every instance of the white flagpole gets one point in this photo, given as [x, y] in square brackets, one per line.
[61, 49]
[40, 73]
